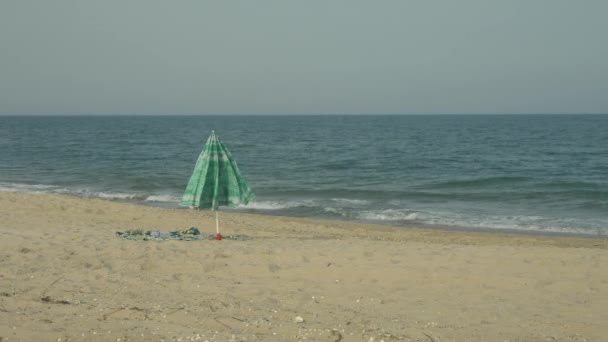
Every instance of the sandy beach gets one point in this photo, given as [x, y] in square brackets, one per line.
[65, 276]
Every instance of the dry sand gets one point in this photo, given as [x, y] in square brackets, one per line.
[65, 276]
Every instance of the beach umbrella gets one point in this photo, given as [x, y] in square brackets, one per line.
[216, 181]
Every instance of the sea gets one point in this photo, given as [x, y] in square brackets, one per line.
[537, 174]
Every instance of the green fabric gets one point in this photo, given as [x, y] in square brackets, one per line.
[216, 180]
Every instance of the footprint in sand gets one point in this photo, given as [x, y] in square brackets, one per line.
[274, 268]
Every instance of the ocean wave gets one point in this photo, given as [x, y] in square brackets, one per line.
[340, 212]
[349, 201]
[276, 205]
[111, 195]
[522, 223]
[395, 212]
[478, 182]
[388, 215]
[35, 188]
[163, 198]
[85, 192]
[446, 219]
[567, 184]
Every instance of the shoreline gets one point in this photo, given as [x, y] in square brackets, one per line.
[443, 228]
[65, 275]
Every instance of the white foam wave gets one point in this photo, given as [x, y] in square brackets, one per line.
[276, 205]
[35, 188]
[524, 223]
[356, 209]
[112, 195]
[349, 201]
[54, 189]
[162, 198]
[388, 215]
[528, 223]
[340, 211]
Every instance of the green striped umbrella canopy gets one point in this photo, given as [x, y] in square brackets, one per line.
[216, 180]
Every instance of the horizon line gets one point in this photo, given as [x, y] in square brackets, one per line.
[286, 114]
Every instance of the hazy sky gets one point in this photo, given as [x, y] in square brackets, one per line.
[325, 56]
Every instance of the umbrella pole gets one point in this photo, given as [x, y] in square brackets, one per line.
[218, 236]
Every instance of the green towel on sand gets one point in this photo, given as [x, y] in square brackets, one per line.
[189, 234]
